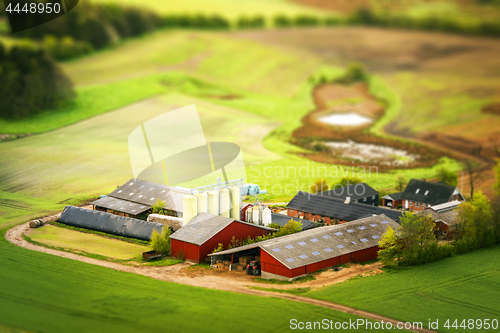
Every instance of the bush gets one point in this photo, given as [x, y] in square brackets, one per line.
[319, 186]
[306, 21]
[282, 21]
[354, 73]
[161, 242]
[66, 47]
[250, 22]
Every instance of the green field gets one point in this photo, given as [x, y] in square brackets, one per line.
[77, 241]
[461, 287]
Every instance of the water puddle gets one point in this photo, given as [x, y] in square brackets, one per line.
[345, 119]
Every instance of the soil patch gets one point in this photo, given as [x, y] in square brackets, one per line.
[493, 108]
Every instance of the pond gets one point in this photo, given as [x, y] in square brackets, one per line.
[345, 119]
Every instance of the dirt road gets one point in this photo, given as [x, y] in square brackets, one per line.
[228, 281]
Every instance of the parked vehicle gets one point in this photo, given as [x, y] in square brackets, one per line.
[253, 268]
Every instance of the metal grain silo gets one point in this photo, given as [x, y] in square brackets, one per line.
[235, 202]
[213, 202]
[202, 202]
[225, 202]
[249, 216]
[266, 216]
[190, 208]
[256, 214]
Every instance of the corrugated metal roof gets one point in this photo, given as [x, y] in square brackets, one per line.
[323, 243]
[355, 192]
[446, 206]
[123, 206]
[282, 219]
[148, 193]
[449, 217]
[336, 208]
[205, 226]
[427, 192]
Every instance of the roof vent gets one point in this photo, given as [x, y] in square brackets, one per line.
[347, 200]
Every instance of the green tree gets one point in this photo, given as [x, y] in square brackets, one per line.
[346, 181]
[319, 186]
[390, 249]
[416, 233]
[447, 176]
[477, 228]
[158, 207]
[160, 242]
[400, 182]
[496, 185]
[354, 73]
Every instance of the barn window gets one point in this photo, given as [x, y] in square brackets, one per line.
[303, 256]
[130, 204]
[130, 184]
[315, 253]
[289, 246]
[328, 249]
[302, 243]
[354, 243]
[375, 236]
[314, 240]
[120, 191]
[111, 205]
[326, 236]
[276, 250]
[426, 192]
[290, 259]
[133, 210]
[373, 224]
[338, 233]
[418, 190]
[340, 246]
[140, 196]
[362, 227]
[384, 222]
[364, 240]
[350, 230]
[152, 199]
[131, 194]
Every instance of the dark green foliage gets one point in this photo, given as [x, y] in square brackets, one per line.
[306, 21]
[161, 242]
[65, 47]
[354, 73]
[447, 176]
[30, 81]
[250, 22]
[281, 21]
[199, 21]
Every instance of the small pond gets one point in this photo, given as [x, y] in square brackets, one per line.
[345, 119]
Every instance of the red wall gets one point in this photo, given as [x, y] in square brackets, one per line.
[199, 253]
[271, 265]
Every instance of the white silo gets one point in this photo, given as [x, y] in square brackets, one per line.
[213, 202]
[248, 215]
[235, 202]
[256, 214]
[202, 202]
[266, 216]
[225, 202]
[190, 208]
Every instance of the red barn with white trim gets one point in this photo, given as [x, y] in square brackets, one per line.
[202, 234]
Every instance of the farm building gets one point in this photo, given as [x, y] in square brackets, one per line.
[282, 219]
[292, 256]
[320, 208]
[360, 193]
[420, 194]
[108, 223]
[446, 216]
[135, 198]
[202, 234]
[393, 200]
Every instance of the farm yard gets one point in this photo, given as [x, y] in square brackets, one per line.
[431, 102]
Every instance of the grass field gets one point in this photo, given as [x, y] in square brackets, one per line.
[90, 243]
[45, 293]
[464, 286]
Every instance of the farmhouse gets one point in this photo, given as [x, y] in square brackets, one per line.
[202, 234]
[135, 198]
[392, 200]
[420, 194]
[292, 256]
[320, 208]
[445, 216]
[361, 193]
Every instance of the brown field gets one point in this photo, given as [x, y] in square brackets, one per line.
[443, 80]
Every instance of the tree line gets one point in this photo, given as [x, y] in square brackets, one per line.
[30, 81]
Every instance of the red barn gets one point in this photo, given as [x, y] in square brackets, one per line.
[201, 235]
[292, 256]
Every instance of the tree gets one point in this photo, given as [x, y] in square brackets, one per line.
[346, 181]
[471, 168]
[400, 183]
[496, 185]
[416, 233]
[390, 249]
[319, 186]
[447, 176]
[477, 228]
[161, 242]
[158, 207]
[354, 73]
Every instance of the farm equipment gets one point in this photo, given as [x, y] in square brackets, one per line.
[253, 268]
[151, 255]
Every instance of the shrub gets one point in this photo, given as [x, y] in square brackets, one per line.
[354, 73]
[319, 186]
[282, 21]
[161, 242]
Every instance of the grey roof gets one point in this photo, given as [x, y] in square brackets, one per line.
[109, 223]
[204, 226]
[393, 196]
[282, 219]
[355, 192]
[449, 217]
[327, 242]
[336, 208]
[428, 192]
[147, 193]
[446, 206]
[123, 206]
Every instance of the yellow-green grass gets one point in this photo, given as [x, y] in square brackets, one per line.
[460, 287]
[227, 8]
[78, 241]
